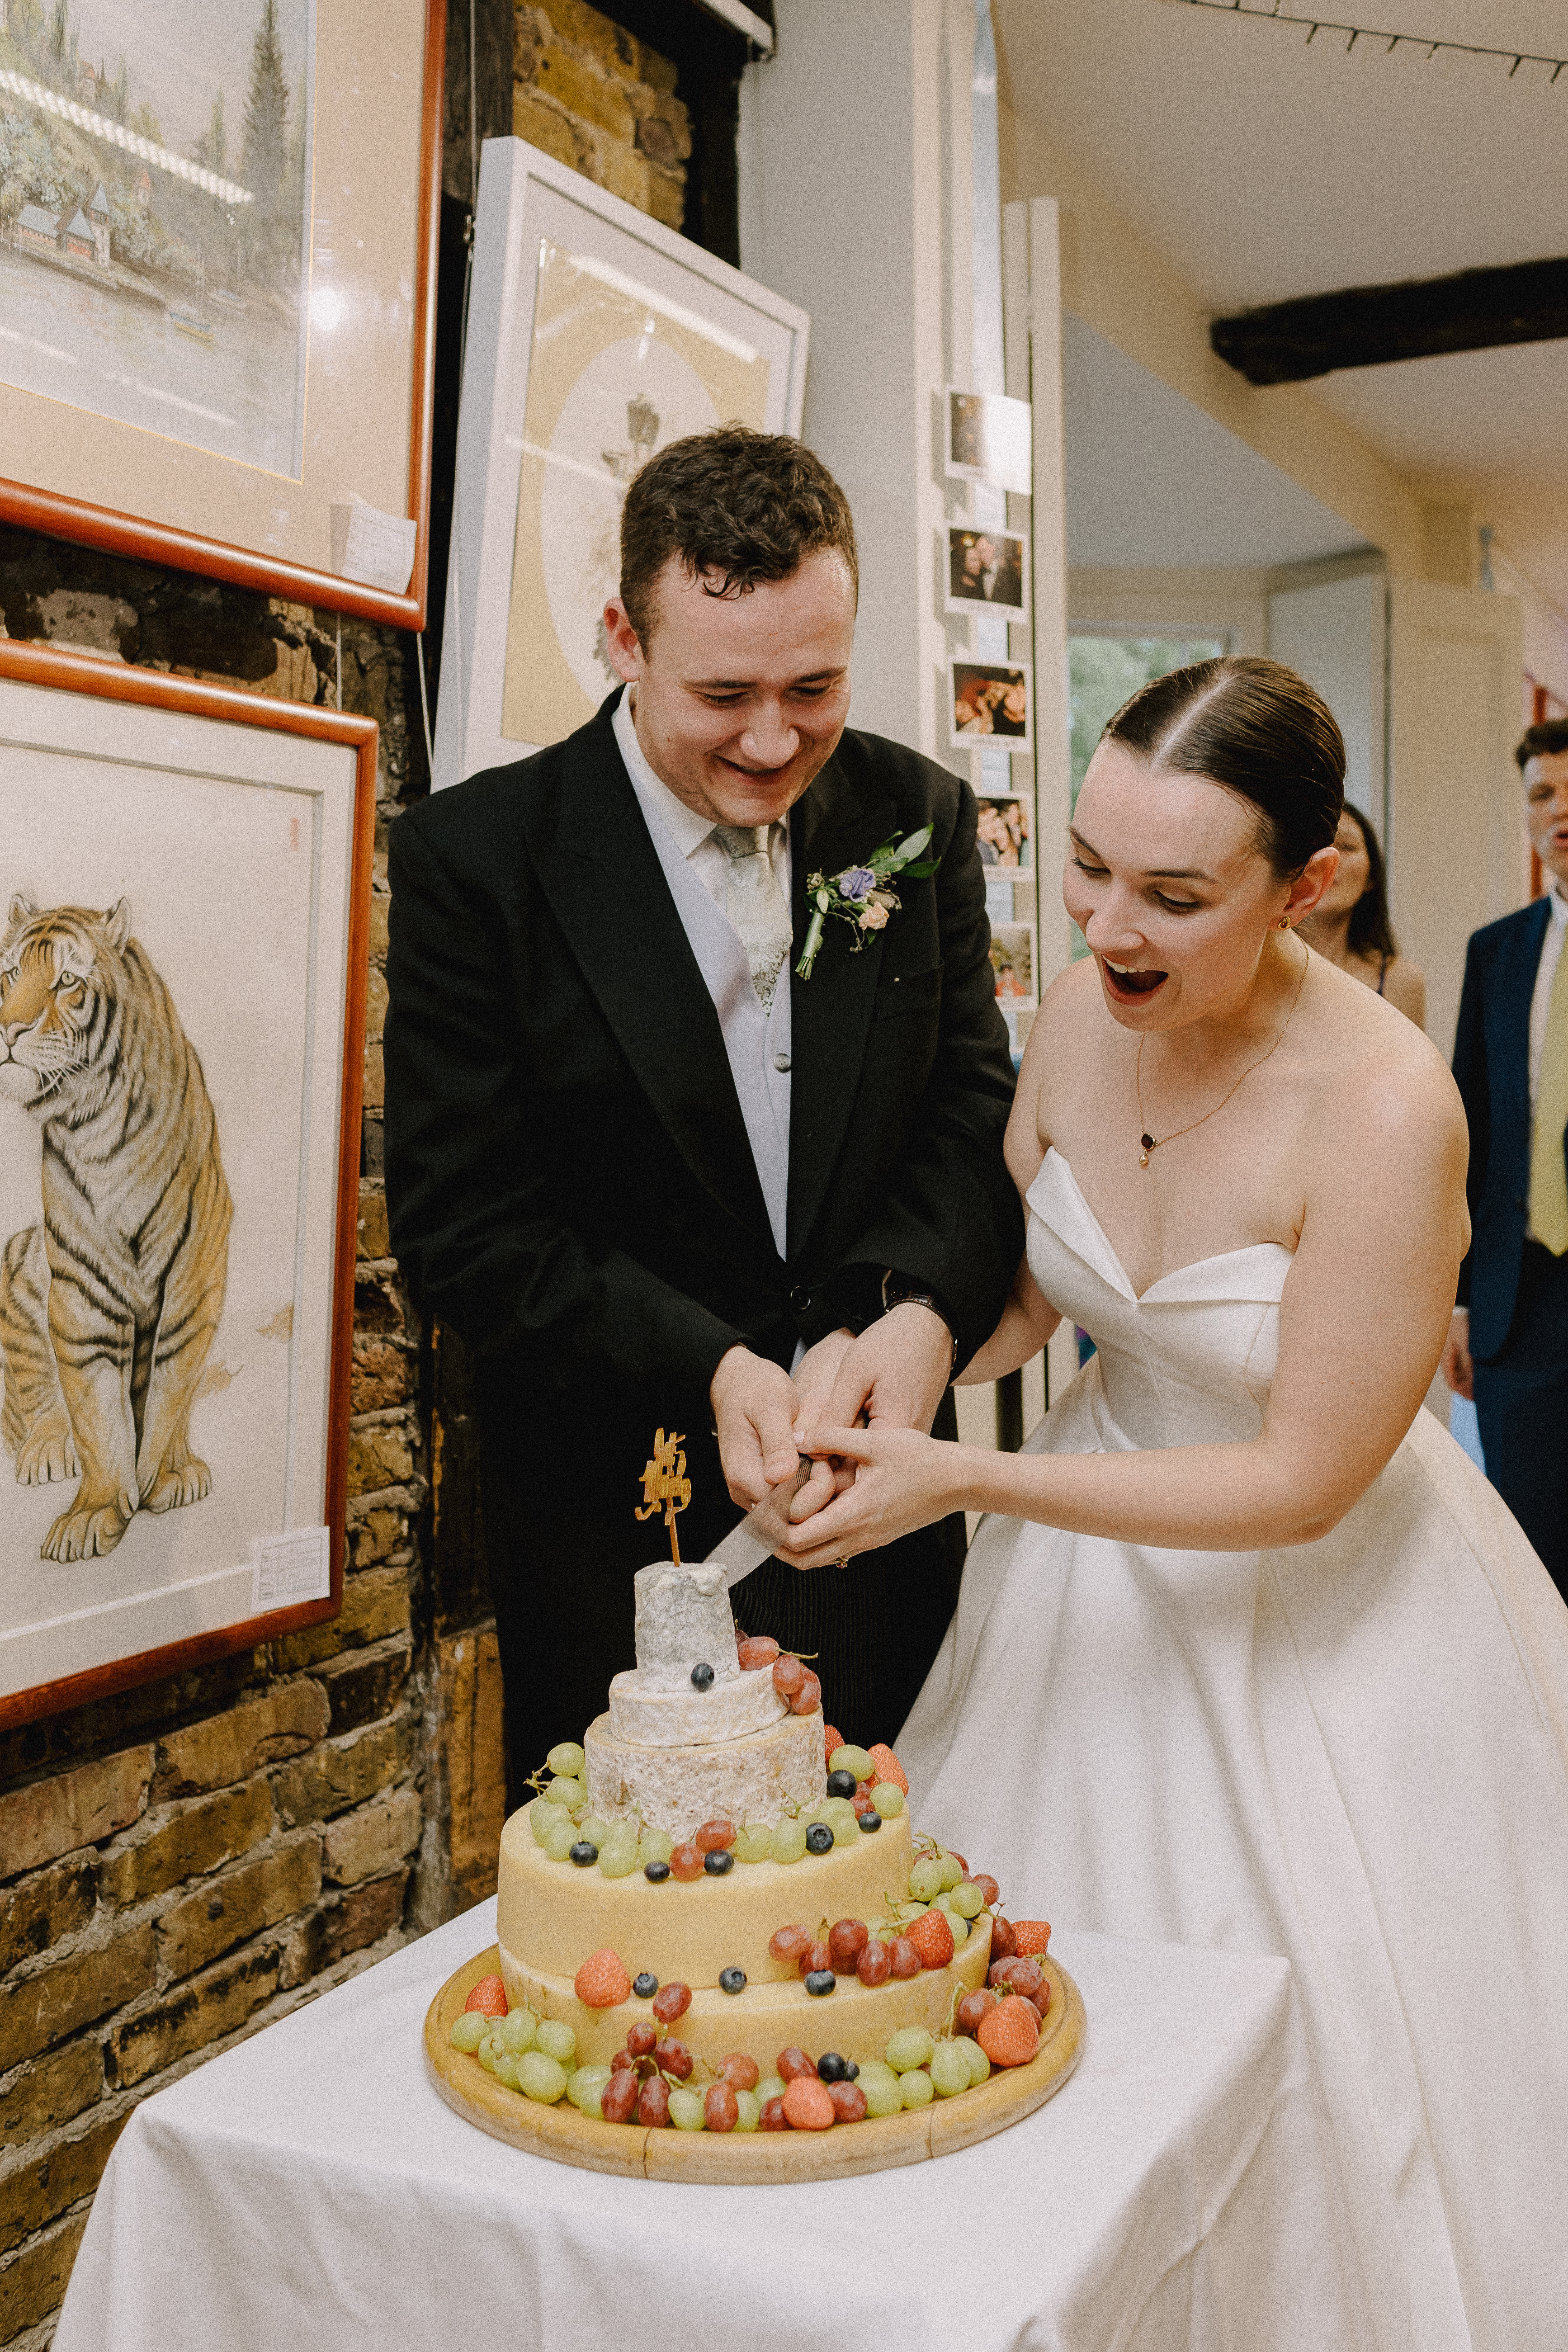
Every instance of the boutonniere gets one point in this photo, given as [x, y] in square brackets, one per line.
[860, 896]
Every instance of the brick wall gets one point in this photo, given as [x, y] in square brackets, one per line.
[183, 1864]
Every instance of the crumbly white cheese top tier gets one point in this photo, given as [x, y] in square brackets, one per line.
[683, 1620]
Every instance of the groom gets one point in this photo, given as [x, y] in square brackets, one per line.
[653, 1174]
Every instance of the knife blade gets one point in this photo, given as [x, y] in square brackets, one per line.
[758, 1536]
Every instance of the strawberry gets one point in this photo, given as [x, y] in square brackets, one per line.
[489, 1996]
[889, 1767]
[931, 1937]
[1010, 2033]
[807, 2105]
[831, 1741]
[1031, 1935]
[602, 1982]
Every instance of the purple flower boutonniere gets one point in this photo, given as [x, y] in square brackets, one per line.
[860, 894]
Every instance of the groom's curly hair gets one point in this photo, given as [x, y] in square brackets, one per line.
[736, 507]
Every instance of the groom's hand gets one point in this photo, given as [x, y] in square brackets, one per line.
[754, 1404]
[893, 1377]
[815, 1377]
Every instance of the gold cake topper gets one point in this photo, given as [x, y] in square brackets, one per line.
[665, 1483]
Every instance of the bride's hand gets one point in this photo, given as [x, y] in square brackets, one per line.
[902, 1481]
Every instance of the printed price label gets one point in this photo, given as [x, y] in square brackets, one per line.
[293, 1568]
[372, 546]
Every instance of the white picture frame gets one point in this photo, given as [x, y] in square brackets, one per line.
[983, 697]
[519, 667]
[988, 436]
[1009, 597]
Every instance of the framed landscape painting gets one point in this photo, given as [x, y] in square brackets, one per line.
[217, 272]
[596, 337]
[183, 915]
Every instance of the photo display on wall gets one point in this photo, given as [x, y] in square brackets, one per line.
[989, 438]
[988, 572]
[990, 704]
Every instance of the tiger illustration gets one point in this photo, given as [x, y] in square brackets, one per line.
[108, 1306]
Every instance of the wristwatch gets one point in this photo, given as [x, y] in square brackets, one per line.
[899, 1291]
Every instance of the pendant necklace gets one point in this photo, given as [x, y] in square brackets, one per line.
[1152, 1143]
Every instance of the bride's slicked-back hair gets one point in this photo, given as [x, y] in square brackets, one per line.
[1257, 729]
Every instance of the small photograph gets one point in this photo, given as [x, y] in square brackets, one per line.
[1003, 835]
[1013, 962]
[987, 567]
[991, 702]
[988, 440]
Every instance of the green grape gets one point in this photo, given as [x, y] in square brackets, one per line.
[787, 1845]
[754, 1842]
[817, 1812]
[567, 1789]
[750, 2111]
[968, 1899]
[505, 2069]
[654, 1845]
[619, 1854]
[560, 1837]
[516, 2031]
[885, 2093]
[850, 1758]
[490, 2049]
[567, 1758]
[876, 2070]
[469, 2029]
[908, 2048]
[541, 1813]
[915, 2089]
[772, 2086]
[585, 2079]
[951, 1872]
[686, 2110]
[887, 1935]
[949, 2070]
[925, 1879]
[541, 2077]
[592, 2102]
[557, 2041]
[959, 1926]
[944, 1903]
[845, 1827]
[595, 1828]
[979, 2065]
[888, 1799]
[840, 1809]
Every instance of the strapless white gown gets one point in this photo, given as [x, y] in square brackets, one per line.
[1353, 1753]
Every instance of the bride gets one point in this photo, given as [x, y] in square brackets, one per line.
[1269, 1662]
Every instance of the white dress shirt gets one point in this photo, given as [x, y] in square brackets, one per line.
[1541, 1001]
[696, 868]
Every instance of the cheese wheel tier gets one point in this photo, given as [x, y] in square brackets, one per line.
[552, 1915]
[854, 2018]
[642, 1716]
[759, 1778]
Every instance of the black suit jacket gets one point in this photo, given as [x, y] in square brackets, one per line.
[569, 1178]
[1491, 1065]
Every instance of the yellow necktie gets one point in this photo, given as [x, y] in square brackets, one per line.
[1548, 1171]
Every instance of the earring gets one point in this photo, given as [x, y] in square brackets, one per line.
[1284, 922]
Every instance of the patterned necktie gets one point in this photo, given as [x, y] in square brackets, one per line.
[1548, 1172]
[756, 905]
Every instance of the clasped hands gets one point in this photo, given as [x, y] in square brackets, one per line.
[862, 1408]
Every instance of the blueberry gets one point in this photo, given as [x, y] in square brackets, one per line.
[702, 1677]
[832, 2068]
[657, 1871]
[870, 1822]
[646, 1985]
[584, 1853]
[732, 1980]
[851, 2072]
[818, 1839]
[842, 1784]
[716, 1864]
[821, 1980]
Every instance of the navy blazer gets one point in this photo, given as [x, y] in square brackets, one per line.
[1491, 1064]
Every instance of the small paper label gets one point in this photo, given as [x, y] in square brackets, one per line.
[372, 546]
[999, 903]
[293, 1568]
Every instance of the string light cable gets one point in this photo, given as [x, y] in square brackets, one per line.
[1366, 38]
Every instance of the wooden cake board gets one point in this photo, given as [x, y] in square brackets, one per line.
[874, 2145]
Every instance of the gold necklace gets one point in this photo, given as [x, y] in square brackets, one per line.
[1152, 1143]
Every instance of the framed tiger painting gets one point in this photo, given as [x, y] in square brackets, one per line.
[184, 898]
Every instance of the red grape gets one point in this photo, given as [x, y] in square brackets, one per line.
[815, 1956]
[1042, 1999]
[788, 1943]
[673, 2058]
[740, 2072]
[671, 2002]
[686, 1862]
[988, 1887]
[622, 2094]
[906, 1960]
[761, 1650]
[861, 1801]
[620, 2062]
[807, 1698]
[971, 2009]
[1020, 1975]
[772, 2116]
[714, 1836]
[791, 2063]
[641, 2037]
[653, 2102]
[959, 1859]
[847, 1939]
[848, 2100]
[788, 1676]
[721, 2108]
[1001, 1938]
[874, 1963]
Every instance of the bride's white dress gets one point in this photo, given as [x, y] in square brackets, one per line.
[1353, 1752]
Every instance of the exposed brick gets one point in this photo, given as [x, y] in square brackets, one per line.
[46, 2008]
[381, 1374]
[35, 2282]
[232, 1746]
[379, 910]
[374, 1606]
[241, 1903]
[375, 1001]
[380, 1531]
[40, 2191]
[624, 173]
[50, 2092]
[365, 1914]
[468, 1668]
[591, 96]
[668, 111]
[375, 1095]
[373, 1237]
[666, 195]
[589, 29]
[343, 1772]
[199, 2012]
[379, 1456]
[553, 135]
[40, 1911]
[365, 1683]
[201, 1835]
[372, 1840]
[377, 1305]
[49, 1818]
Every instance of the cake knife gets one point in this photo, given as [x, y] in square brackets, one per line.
[759, 1535]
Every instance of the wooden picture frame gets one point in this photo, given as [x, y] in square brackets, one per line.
[190, 380]
[595, 336]
[203, 857]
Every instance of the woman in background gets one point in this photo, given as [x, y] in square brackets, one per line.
[1350, 923]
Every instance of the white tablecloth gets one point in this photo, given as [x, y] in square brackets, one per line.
[308, 2190]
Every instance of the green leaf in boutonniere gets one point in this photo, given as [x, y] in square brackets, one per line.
[859, 895]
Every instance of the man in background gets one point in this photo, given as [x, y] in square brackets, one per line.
[1508, 1346]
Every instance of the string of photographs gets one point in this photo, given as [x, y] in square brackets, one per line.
[984, 578]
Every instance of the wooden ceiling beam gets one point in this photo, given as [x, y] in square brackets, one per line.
[1368, 326]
